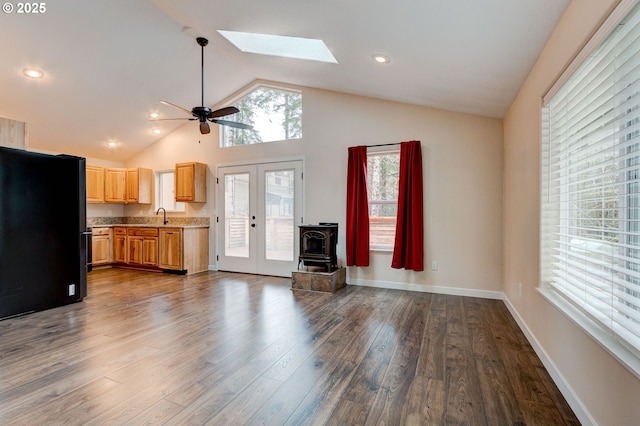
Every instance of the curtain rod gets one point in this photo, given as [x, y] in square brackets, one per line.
[383, 144]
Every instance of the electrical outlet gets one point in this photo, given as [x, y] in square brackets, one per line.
[434, 265]
[72, 289]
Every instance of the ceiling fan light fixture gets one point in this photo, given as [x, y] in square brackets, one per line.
[33, 73]
[380, 58]
[204, 128]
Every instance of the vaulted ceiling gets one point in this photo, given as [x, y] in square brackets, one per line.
[107, 63]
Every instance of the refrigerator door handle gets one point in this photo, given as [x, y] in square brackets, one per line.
[87, 235]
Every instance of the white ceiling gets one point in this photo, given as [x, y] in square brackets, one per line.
[109, 62]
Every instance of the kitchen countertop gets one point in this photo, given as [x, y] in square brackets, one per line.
[149, 225]
[153, 221]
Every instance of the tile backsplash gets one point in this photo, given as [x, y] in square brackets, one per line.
[148, 220]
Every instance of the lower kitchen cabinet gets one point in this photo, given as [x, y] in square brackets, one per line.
[101, 246]
[142, 246]
[181, 249]
[184, 249]
[171, 249]
[120, 245]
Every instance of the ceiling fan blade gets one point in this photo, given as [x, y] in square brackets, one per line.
[233, 124]
[204, 127]
[167, 119]
[176, 106]
[223, 111]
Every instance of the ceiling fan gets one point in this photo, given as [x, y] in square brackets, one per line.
[205, 114]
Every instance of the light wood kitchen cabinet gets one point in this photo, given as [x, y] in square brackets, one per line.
[134, 249]
[180, 249]
[170, 248]
[95, 184]
[139, 182]
[115, 189]
[150, 251]
[120, 245]
[101, 246]
[191, 182]
[142, 246]
[184, 249]
[118, 185]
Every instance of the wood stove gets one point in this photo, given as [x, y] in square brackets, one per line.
[318, 245]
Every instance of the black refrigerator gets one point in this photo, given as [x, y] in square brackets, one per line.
[44, 243]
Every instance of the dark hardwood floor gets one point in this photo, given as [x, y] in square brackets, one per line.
[222, 349]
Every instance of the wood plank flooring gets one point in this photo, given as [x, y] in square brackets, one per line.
[222, 349]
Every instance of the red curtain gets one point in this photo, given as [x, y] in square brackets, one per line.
[408, 249]
[357, 208]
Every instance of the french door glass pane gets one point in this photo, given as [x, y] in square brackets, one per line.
[236, 209]
[279, 214]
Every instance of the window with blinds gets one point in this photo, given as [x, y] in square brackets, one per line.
[590, 218]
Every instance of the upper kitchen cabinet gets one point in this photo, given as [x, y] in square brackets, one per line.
[95, 184]
[118, 185]
[115, 188]
[13, 134]
[139, 182]
[191, 182]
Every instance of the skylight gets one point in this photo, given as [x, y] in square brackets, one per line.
[288, 47]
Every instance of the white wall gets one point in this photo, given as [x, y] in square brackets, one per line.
[462, 169]
[600, 388]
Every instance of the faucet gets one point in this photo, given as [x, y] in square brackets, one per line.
[165, 221]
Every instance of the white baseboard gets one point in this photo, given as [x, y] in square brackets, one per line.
[574, 402]
[455, 291]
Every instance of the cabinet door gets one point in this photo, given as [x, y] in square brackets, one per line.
[120, 245]
[134, 249]
[190, 182]
[132, 185]
[114, 185]
[95, 184]
[120, 248]
[101, 246]
[171, 249]
[150, 251]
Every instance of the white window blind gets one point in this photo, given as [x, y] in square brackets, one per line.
[590, 223]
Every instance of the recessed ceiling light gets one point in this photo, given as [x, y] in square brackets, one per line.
[112, 144]
[156, 131]
[154, 115]
[32, 73]
[284, 46]
[381, 59]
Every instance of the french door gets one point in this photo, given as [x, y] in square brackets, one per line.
[260, 208]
